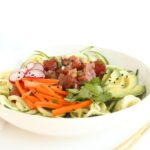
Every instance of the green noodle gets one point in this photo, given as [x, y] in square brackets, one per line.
[17, 103]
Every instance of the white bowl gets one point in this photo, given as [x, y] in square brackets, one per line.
[135, 115]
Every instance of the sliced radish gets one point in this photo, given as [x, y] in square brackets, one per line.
[30, 66]
[24, 70]
[18, 75]
[38, 66]
[35, 74]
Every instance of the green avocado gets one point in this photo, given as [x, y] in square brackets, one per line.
[127, 82]
[112, 78]
[131, 81]
[121, 92]
[121, 83]
[106, 76]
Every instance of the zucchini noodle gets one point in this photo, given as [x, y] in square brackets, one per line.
[97, 109]
[79, 113]
[126, 102]
[5, 85]
[111, 80]
[19, 102]
[44, 112]
[37, 57]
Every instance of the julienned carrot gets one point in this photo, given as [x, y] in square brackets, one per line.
[47, 97]
[32, 89]
[42, 90]
[60, 87]
[50, 91]
[47, 105]
[43, 94]
[64, 102]
[32, 98]
[40, 97]
[66, 109]
[41, 80]
[60, 101]
[30, 84]
[29, 103]
[58, 90]
[19, 87]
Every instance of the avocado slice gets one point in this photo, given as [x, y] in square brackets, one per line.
[125, 80]
[121, 92]
[119, 82]
[131, 81]
[106, 76]
[112, 78]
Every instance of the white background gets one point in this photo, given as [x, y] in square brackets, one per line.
[122, 25]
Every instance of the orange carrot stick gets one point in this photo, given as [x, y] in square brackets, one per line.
[47, 97]
[60, 101]
[42, 90]
[19, 87]
[29, 103]
[32, 98]
[64, 102]
[41, 80]
[39, 96]
[50, 91]
[60, 87]
[30, 84]
[59, 90]
[66, 109]
[47, 105]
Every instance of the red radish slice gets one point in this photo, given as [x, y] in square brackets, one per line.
[24, 70]
[38, 66]
[35, 74]
[30, 66]
[16, 76]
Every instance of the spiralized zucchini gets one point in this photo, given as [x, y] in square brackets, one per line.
[19, 102]
[96, 108]
[79, 113]
[5, 85]
[37, 57]
[126, 102]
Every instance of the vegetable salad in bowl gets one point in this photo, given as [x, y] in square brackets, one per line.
[80, 85]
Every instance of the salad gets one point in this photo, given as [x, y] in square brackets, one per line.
[70, 86]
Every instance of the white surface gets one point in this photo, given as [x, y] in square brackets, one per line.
[119, 25]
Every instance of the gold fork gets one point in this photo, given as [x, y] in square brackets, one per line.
[127, 144]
